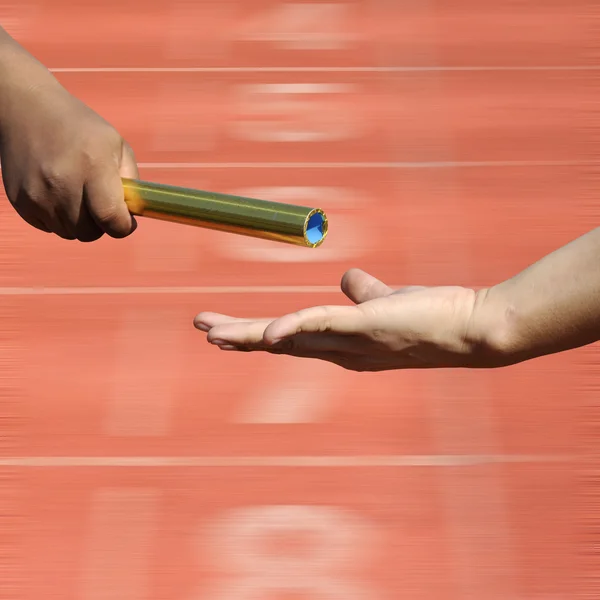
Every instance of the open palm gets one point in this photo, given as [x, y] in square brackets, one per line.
[414, 327]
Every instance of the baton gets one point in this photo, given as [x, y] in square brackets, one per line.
[274, 221]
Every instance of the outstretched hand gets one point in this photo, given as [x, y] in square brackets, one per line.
[413, 327]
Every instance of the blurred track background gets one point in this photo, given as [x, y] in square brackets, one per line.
[450, 143]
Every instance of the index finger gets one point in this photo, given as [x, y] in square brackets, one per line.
[345, 320]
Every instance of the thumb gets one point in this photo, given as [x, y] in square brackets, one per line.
[361, 287]
[128, 165]
[128, 169]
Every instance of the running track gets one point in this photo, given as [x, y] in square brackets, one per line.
[450, 143]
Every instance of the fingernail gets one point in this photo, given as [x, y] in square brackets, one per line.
[202, 327]
[220, 343]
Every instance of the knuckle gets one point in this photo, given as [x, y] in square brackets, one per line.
[54, 178]
[89, 155]
[378, 335]
[115, 143]
[326, 318]
[101, 146]
[51, 194]
[321, 319]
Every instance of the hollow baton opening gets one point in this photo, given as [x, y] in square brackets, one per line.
[316, 228]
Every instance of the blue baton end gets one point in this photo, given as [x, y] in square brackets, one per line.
[315, 228]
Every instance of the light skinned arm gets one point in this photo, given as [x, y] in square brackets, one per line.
[552, 306]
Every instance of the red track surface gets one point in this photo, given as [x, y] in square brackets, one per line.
[281, 471]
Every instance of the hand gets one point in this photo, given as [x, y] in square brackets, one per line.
[62, 164]
[413, 327]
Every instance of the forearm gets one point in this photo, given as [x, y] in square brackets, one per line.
[553, 305]
[19, 73]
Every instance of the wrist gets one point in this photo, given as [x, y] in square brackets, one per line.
[493, 330]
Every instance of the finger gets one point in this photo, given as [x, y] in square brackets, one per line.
[59, 206]
[128, 165]
[106, 203]
[250, 336]
[57, 227]
[72, 219]
[312, 343]
[207, 320]
[343, 320]
[128, 168]
[23, 206]
[339, 359]
[34, 221]
[81, 224]
[409, 289]
[361, 287]
[38, 225]
[354, 361]
[87, 229]
[241, 333]
[350, 362]
[61, 234]
[62, 225]
[359, 362]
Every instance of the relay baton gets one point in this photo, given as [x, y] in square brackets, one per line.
[275, 221]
